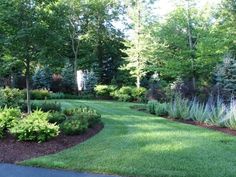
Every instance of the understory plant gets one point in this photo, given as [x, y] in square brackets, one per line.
[199, 112]
[179, 108]
[8, 116]
[35, 127]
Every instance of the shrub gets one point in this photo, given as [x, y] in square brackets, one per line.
[45, 106]
[104, 90]
[151, 106]
[179, 108]
[37, 94]
[58, 95]
[1, 130]
[8, 116]
[56, 117]
[35, 127]
[161, 109]
[49, 106]
[73, 126]
[10, 97]
[138, 94]
[123, 94]
[87, 114]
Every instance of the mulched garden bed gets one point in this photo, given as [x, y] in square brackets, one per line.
[12, 151]
[191, 122]
[213, 127]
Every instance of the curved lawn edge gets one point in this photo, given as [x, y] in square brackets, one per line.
[15, 151]
[139, 144]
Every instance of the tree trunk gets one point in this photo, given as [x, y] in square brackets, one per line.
[28, 85]
[190, 40]
[138, 81]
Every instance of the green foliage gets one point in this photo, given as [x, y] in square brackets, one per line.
[151, 106]
[179, 108]
[8, 117]
[40, 94]
[68, 78]
[86, 114]
[90, 81]
[1, 130]
[10, 97]
[73, 126]
[42, 78]
[123, 94]
[56, 117]
[139, 94]
[43, 106]
[161, 109]
[58, 95]
[199, 112]
[225, 76]
[35, 127]
[104, 90]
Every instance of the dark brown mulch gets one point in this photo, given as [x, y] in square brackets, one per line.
[191, 122]
[12, 151]
[201, 124]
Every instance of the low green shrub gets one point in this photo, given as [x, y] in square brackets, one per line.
[123, 94]
[104, 91]
[74, 126]
[1, 130]
[139, 94]
[84, 113]
[44, 106]
[37, 94]
[56, 117]
[151, 106]
[49, 106]
[10, 97]
[8, 116]
[58, 95]
[35, 127]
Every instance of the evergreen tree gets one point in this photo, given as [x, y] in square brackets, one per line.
[68, 78]
[42, 78]
[225, 76]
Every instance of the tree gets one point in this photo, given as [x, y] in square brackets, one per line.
[42, 78]
[136, 60]
[68, 80]
[29, 33]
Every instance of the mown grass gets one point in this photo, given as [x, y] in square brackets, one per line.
[138, 144]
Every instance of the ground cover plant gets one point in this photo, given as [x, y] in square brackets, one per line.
[135, 143]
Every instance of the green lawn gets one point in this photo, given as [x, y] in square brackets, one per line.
[138, 144]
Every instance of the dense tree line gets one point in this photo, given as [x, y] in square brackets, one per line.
[186, 47]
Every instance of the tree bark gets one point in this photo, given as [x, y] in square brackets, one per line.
[28, 85]
[190, 41]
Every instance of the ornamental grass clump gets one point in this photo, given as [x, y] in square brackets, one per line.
[179, 108]
[199, 111]
[151, 106]
[229, 119]
[161, 109]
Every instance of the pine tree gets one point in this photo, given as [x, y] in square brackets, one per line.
[68, 78]
[225, 76]
[42, 78]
